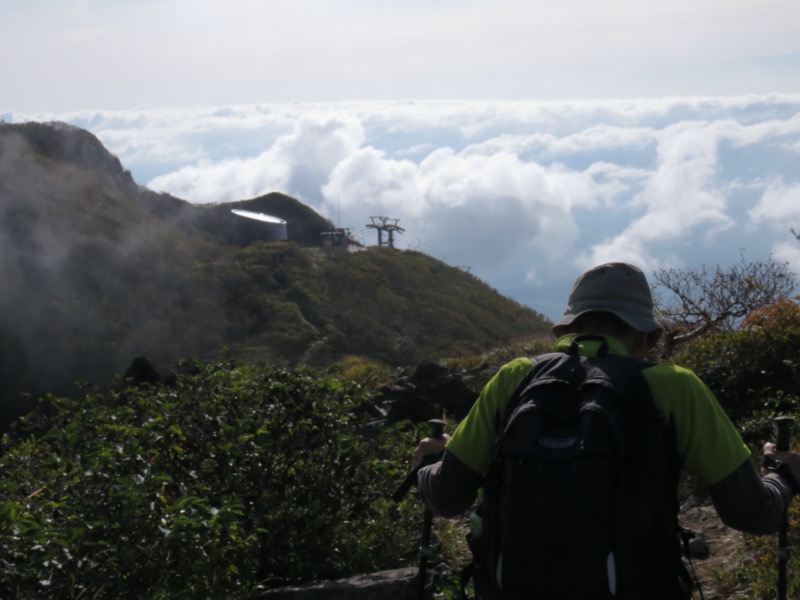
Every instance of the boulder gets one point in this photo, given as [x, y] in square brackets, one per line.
[430, 393]
[141, 371]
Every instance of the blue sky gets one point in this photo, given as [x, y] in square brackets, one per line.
[527, 140]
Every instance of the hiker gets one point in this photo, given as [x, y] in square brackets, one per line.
[610, 309]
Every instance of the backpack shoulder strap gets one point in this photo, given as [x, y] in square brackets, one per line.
[541, 363]
[549, 365]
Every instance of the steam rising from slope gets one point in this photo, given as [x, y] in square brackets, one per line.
[74, 245]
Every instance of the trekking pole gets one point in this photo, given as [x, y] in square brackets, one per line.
[436, 431]
[784, 426]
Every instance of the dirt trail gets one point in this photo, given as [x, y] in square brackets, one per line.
[724, 544]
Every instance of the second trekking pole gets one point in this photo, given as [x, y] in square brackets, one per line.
[784, 426]
[436, 431]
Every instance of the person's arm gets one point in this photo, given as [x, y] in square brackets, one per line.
[750, 503]
[713, 451]
[448, 487]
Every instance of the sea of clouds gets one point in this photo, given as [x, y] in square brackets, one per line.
[524, 194]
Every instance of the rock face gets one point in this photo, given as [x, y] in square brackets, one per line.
[397, 584]
[429, 393]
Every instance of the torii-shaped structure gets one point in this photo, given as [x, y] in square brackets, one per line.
[388, 225]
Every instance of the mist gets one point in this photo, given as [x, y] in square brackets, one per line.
[74, 247]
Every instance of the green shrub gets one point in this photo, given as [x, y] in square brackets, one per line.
[753, 369]
[235, 478]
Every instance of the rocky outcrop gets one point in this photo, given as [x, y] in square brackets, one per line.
[430, 393]
[141, 371]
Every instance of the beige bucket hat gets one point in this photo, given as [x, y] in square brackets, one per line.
[617, 288]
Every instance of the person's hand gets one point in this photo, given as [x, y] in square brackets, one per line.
[790, 459]
[428, 446]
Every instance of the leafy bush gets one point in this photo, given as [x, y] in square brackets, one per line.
[235, 478]
[361, 371]
[755, 368]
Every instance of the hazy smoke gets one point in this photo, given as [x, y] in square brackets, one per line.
[91, 280]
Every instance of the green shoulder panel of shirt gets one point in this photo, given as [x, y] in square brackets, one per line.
[709, 445]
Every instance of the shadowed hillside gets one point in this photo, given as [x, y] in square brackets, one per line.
[97, 271]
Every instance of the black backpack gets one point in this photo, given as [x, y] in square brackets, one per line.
[580, 500]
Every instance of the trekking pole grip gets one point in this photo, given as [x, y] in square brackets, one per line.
[436, 430]
[784, 425]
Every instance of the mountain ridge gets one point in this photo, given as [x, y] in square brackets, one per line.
[100, 270]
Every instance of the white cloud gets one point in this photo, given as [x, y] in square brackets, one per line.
[470, 205]
[228, 180]
[525, 193]
[315, 148]
[297, 163]
[779, 205]
[680, 198]
[788, 252]
[368, 180]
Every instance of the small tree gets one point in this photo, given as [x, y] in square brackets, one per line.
[705, 300]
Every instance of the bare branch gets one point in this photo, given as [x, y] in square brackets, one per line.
[703, 300]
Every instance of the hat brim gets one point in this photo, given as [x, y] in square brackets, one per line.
[642, 324]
